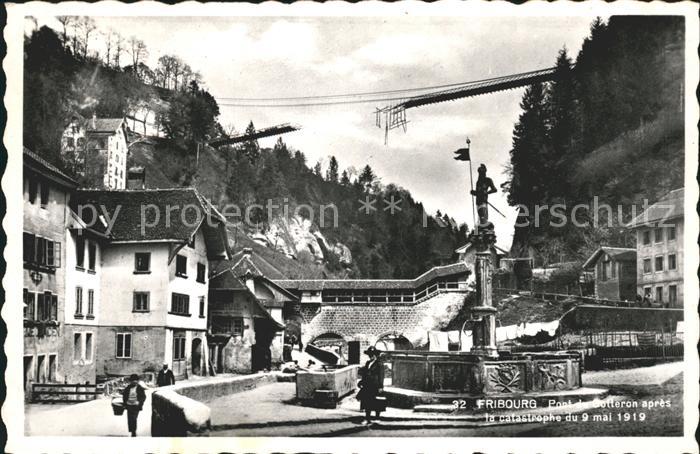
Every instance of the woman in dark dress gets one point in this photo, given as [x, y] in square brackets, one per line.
[370, 385]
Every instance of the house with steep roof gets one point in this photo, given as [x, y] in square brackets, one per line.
[659, 231]
[615, 273]
[46, 194]
[247, 314]
[154, 277]
[96, 149]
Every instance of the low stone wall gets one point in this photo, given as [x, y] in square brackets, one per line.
[180, 410]
[343, 381]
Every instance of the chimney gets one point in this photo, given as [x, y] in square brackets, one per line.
[94, 120]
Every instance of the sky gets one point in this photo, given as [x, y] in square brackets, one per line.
[263, 57]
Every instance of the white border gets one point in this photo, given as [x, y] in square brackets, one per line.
[12, 411]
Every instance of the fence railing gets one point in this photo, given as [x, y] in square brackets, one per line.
[65, 392]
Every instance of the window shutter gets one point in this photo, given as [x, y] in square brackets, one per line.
[40, 307]
[57, 254]
[54, 307]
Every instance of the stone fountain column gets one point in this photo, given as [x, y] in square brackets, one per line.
[484, 314]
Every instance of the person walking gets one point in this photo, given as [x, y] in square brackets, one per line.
[370, 385]
[165, 376]
[134, 395]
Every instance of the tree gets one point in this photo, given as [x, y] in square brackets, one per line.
[109, 37]
[65, 21]
[86, 25]
[251, 148]
[366, 178]
[119, 43]
[138, 52]
[345, 179]
[317, 169]
[332, 172]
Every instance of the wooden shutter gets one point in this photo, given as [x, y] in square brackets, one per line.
[54, 307]
[57, 254]
[40, 307]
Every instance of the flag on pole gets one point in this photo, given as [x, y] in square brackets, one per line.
[462, 154]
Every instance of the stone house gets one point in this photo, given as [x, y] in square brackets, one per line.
[246, 315]
[46, 193]
[154, 282]
[615, 273]
[97, 149]
[659, 232]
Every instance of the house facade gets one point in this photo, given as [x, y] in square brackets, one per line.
[659, 232]
[83, 271]
[154, 280]
[46, 192]
[246, 316]
[615, 273]
[99, 149]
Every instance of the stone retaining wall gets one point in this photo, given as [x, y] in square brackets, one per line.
[180, 410]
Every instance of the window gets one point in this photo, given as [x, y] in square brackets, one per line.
[47, 306]
[29, 301]
[179, 348]
[659, 263]
[647, 265]
[78, 301]
[181, 266]
[92, 256]
[142, 262]
[658, 235]
[671, 233]
[646, 237]
[91, 303]
[659, 294]
[180, 304]
[201, 272]
[77, 346]
[604, 270]
[123, 345]
[647, 291]
[672, 261]
[237, 326]
[191, 243]
[28, 247]
[38, 251]
[88, 347]
[33, 190]
[672, 295]
[80, 251]
[613, 269]
[202, 306]
[141, 301]
[44, 193]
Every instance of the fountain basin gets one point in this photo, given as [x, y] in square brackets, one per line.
[422, 377]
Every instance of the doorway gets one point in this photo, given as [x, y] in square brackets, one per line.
[52, 368]
[28, 360]
[197, 356]
[41, 369]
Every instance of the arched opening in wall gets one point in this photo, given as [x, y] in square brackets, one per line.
[331, 342]
[393, 341]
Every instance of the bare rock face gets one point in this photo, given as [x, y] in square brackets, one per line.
[296, 236]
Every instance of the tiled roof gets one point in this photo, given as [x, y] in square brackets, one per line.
[130, 205]
[668, 207]
[618, 253]
[371, 284]
[245, 260]
[42, 166]
[104, 124]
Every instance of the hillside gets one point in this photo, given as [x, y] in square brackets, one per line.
[608, 132]
[63, 78]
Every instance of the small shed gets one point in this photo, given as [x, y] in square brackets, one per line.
[615, 271]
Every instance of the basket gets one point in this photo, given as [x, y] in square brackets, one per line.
[117, 406]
